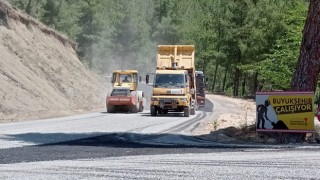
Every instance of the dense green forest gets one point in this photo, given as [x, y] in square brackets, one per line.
[241, 45]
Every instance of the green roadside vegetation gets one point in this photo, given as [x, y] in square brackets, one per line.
[242, 46]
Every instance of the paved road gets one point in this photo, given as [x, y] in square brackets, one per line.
[174, 163]
[169, 129]
[94, 124]
[138, 146]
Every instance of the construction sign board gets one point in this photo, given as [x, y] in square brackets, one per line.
[285, 111]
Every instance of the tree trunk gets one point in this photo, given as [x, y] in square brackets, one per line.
[28, 8]
[244, 84]
[236, 82]
[237, 75]
[215, 76]
[307, 69]
[224, 79]
[255, 83]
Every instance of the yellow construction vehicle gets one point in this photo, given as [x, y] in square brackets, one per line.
[125, 95]
[174, 81]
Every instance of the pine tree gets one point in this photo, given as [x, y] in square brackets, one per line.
[307, 70]
[89, 31]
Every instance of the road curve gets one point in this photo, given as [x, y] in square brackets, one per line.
[137, 146]
[70, 128]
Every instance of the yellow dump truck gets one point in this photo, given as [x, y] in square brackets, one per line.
[125, 95]
[174, 81]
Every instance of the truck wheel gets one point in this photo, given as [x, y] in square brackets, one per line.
[136, 107]
[110, 109]
[153, 111]
[140, 107]
[193, 111]
[133, 109]
[186, 112]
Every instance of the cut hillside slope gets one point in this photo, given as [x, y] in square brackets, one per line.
[41, 75]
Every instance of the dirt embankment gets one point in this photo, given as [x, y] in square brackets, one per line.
[41, 75]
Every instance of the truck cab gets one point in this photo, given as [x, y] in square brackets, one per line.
[125, 78]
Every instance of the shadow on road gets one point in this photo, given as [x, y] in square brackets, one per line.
[100, 138]
[101, 146]
[122, 139]
[55, 146]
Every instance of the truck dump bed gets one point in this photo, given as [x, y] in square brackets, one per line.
[175, 57]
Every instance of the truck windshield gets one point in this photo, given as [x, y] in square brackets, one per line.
[170, 81]
[125, 78]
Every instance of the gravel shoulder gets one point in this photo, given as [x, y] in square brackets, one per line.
[227, 112]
